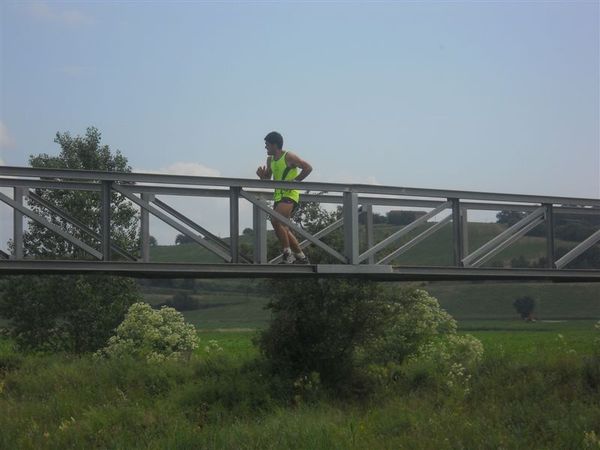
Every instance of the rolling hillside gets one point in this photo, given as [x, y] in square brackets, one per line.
[240, 303]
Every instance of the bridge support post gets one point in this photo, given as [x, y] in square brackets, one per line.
[145, 228]
[234, 223]
[350, 211]
[18, 225]
[259, 225]
[370, 239]
[457, 232]
[549, 216]
[105, 219]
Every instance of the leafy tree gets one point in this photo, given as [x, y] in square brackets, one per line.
[525, 307]
[182, 301]
[80, 152]
[508, 217]
[75, 312]
[183, 239]
[398, 217]
[153, 242]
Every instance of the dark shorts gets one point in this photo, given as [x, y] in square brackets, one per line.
[288, 201]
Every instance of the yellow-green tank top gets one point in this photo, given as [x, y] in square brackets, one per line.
[281, 172]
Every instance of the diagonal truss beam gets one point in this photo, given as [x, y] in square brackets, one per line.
[510, 240]
[428, 232]
[321, 233]
[578, 250]
[407, 229]
[82, 245]
[196, 227]
[168, 220]
[77, 223]
[507, 234]
[4, 255]
[265, 207]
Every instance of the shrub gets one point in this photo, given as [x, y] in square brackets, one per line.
[414, 318]
[447, 362]
[152, 335]
[525, 307]
[182, 301]
[317, 326]
[74, 313]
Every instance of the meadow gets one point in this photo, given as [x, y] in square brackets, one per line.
[537, 387]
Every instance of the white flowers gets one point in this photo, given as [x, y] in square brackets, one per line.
[155, 335]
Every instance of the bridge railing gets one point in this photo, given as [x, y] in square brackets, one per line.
[450, 207]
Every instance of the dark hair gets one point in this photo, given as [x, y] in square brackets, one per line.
[274, 138]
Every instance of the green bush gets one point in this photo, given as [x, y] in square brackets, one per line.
[414, 318]
[152, 335]
[448, 362]
[317, 325]
[75, 313]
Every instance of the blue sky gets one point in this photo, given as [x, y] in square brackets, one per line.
[484, 96]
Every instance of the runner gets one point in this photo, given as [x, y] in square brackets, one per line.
[283, 165]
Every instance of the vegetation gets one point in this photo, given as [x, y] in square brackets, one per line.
[532, 389]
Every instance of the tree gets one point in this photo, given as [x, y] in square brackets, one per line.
[152, 241]
[508, 217]
[76, 312]
[525, 307]
[183, 239]
[397, 217]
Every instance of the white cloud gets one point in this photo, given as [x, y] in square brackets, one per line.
[6, 140]
[43, 11]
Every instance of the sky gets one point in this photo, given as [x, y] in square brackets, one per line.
[482, 96]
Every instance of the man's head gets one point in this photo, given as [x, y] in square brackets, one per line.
[273, 142]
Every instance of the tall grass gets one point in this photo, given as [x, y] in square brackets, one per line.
[533, 390]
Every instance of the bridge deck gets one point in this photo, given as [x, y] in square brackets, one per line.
[374, 272]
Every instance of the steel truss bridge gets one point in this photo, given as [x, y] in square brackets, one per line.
[141, 189]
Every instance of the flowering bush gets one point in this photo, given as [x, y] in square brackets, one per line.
[448, 361]
[414, 319]
[152, 335]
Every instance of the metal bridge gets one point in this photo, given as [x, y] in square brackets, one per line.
[356, 259]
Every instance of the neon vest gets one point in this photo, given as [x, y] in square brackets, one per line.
[281, 172]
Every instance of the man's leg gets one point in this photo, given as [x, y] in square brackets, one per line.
[281, 230]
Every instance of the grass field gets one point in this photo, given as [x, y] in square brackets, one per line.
[536, 388]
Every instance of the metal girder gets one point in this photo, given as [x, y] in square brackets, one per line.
[428, 232]
[27, 212]
[381, 273]
[335, 199]
[265, 207]
[268, 184]
[18, 223]
[319, 234]
[76, 223]
[578, 250]
[407, 229]
[506, 234]
[4, 255]
[350, 215]
[168, 220]
[507, 242]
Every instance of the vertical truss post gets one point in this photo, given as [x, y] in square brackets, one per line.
[18, 224]
[145, 228]
[350, 212]
[259, 225]
[464, 217]
[370, 239]
[549, 216]
[105, 219]
[234, 223]
[457, 232]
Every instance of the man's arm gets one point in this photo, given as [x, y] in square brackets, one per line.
[294, 160]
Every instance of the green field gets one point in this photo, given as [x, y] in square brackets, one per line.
[537, 387]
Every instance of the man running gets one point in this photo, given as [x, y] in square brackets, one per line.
[283, 165]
